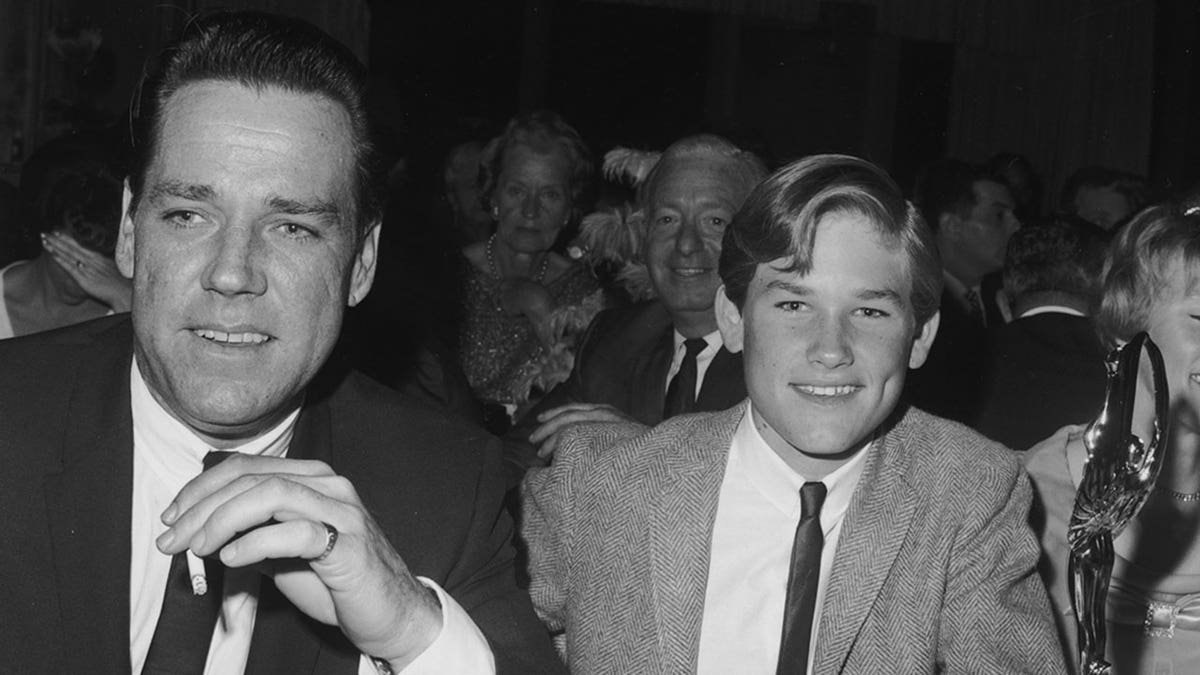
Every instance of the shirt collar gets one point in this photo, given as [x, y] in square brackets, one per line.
[1051, 309]
[780, 484]
[177, 450]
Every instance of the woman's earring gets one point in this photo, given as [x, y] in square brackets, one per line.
[495, 212]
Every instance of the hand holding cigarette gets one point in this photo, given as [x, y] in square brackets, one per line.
[324, 552]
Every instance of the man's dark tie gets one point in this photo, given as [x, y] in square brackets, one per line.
[681, 393]
[185, 626]
[802, 583]
[975, 307]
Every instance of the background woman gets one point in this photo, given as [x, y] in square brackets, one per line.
[1150, 283]
[523, 301]
[71, 200]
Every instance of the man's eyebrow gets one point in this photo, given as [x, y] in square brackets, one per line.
[782, 285]
[886, 294]
[296, 207]
[181, 190]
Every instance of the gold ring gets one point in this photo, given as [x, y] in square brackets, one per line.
[331, 537]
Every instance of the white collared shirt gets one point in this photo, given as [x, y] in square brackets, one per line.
[166, 455]
[713, 345]
[757, 513]
[1051, 309]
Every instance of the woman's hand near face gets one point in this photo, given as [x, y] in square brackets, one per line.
[95, 273]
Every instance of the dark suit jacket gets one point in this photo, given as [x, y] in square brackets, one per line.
[1045, 371]
[950, 383]
[935, 569]
[65, 500]
[623, 361]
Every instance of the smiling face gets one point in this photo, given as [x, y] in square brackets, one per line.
[692, 204]
[243, 254]
[826, 353]
[532, 199]
[1174, 325]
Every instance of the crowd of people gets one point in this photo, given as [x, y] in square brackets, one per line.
[792, 419]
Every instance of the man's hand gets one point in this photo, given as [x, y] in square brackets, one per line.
[362, 586]
[95, 273]
[555, 420]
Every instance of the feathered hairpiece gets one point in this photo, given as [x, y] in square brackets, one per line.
[630, 165]
[615, 236]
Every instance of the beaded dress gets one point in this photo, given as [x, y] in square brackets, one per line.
[504, 360]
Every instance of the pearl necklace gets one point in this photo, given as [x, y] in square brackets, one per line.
[495, 271]
[1180, 496]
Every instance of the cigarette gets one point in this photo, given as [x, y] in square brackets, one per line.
[197, 574]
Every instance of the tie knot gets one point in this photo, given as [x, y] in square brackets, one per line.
[812, 496]
[215, 457]
[694, 346]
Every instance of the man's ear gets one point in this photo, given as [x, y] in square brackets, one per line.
[363, 274]
[924, 341]
[124, 253]
[729, 321]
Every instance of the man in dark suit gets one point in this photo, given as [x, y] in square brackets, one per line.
[630, 358]
[972, 215]
[820, 527]
[1046, 367]
[248, 227]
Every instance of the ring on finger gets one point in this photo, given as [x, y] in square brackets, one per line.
[331, 537]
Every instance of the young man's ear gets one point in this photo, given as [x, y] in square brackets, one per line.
[729, 321]
[364, 265]
[923, 340]
[124, 252]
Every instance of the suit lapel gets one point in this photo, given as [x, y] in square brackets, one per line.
[876, 524]
[649, 380]
[681, 523]
[89, 510]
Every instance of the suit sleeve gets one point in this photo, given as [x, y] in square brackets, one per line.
[484, 584]
[996, 616]
[545, 530]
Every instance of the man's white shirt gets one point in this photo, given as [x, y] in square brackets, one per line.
[757, 513]
[704, 359]
[166, 455]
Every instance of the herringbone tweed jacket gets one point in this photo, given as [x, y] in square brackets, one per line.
[935, 570]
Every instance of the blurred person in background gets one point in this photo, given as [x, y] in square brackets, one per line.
[1046, 367]
[1102, 196]
[520, 296]
[71, 202]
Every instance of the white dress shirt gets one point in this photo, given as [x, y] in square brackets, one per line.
[757, 513]
[703, 359]
[166, 455]
[1051, 309]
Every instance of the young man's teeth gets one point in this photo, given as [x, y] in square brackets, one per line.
[841, 390]
[232, 338]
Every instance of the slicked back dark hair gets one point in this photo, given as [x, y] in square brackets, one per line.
[261, 51]
[779, 221]
[948, 186]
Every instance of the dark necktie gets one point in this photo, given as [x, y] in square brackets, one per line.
[185, 626]
[975, 307]
[681, 393]
[802, 583]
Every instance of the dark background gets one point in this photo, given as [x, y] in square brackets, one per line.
[1067, 83]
